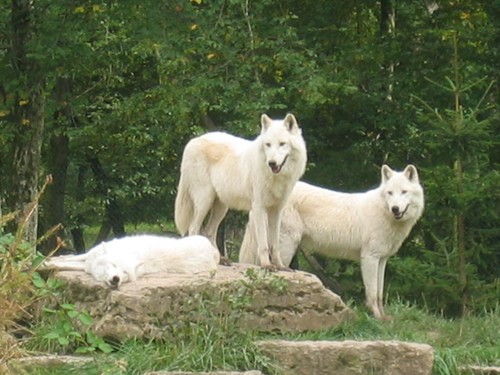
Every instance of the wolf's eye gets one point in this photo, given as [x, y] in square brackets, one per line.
[282, 144]
[389, 192]
[404, 192]
[268, 144]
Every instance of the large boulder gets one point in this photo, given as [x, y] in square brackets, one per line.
[350, 357]
[256, 299]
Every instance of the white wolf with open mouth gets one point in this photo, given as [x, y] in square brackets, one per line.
[368, 227]
[126, 259]
[220, 171]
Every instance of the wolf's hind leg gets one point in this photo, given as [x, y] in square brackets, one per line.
[203, 200]
[217, 214]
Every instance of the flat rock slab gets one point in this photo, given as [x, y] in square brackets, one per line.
[205, 373]
[27, 364]
[480, 370]
[350, 357]
[261, 300]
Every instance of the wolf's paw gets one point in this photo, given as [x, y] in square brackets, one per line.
[285, 269]
[224, 261]
[386, 318]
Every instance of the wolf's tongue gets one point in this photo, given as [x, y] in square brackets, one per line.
[275, 168]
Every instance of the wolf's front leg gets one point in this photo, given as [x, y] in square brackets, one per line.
[259, 222]
[380, 286]
[369, 272]
[274, 219]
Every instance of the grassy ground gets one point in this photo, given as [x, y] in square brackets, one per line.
[469, 341]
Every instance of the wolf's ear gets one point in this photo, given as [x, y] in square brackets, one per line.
[265, 122]
[386, 172]
[290, 123]
[411, 173]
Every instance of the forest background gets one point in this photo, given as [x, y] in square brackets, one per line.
[104, 96]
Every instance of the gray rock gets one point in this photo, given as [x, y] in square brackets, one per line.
[256, 299]
[205, 373]
[480, 370]
[350, 357]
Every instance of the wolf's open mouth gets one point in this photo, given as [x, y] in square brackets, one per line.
[275, 168]
[400, 214]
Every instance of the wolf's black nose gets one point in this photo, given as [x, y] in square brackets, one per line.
[115, 280]
[273, 165]
[395, 209]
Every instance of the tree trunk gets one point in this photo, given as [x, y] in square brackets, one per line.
[29, 117]
[57, 165]
[77, 227]
[114, 217]
[387, 29]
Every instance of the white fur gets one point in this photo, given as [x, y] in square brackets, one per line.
[128, 258]
[220, 171]
[369, 227]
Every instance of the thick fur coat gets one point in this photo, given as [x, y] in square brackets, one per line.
[220, 171]
[126, 259]
[368, 227]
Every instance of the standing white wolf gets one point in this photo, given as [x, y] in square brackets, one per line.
[220, 171]
[369, 226]
[128, 258]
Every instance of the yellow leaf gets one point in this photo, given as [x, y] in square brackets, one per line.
[4, 113]
[79, 10]
[197, 1]
[97, 8]
[23, 102]
[211, 56]
[194, 26]
[25, 121]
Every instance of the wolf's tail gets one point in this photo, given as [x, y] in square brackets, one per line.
[184, 207]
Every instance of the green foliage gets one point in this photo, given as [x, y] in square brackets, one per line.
[63, 328]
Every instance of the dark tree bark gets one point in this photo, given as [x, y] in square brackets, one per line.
[77, 229]
[28, 113]
[58, 162]
[114, 217]
[387, 29]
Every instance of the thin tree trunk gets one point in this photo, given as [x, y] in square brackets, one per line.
[387, 30]
[114, 217]
[77, 229]
[459, 220]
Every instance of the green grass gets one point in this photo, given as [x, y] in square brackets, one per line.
[209, 347]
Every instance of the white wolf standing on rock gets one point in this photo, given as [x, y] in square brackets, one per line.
[369, 227]
[220, 171]
[126, 259]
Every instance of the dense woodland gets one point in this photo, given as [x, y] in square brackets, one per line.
[104, 96]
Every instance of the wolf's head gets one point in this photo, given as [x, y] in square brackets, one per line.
[402, 193]
[282, 140]
[103, 269]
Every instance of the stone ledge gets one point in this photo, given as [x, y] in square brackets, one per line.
[350, 357]
[479, 370]
[277, 302]
[205, 373]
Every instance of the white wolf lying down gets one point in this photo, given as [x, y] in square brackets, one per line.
[125, 259]
[220, 171]
[369, 226]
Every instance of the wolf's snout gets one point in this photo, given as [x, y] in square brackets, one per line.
[115, 280]
[395, 210]
[275, 168]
